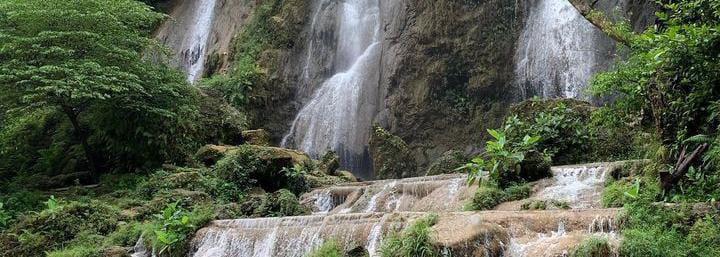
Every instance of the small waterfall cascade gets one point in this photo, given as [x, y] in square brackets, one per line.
[358, 216]
[196, 40]
[340, 112]
[559, 51]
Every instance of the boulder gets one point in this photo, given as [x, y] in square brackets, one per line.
[447, 163]
[348, 176]
[211, 154]
[391, 156]
[279, 155]
[535, 166]
[329, 163]
[256, 137]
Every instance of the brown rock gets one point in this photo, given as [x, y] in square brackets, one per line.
[256, 137]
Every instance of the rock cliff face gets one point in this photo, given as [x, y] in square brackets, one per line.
[447, 68]
[447, 71]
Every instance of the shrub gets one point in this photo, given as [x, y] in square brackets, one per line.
[241, 166]
[487, 197]
[593, 247]
[412, 241]
[614, 196]
[172, 228]
[561, 125]
[517, 192]
[328, 249]
[59, 224]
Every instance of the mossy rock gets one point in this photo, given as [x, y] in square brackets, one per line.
[278, 204]
[266, 167]
[534, 166]
[447, 163]
[329, 163]
[256, 137]
[211, 154]
[391, 156]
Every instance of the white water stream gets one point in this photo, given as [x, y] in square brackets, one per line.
[559, 51]
[338, 117]
[195, 42]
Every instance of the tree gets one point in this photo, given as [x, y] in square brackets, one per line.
[84, 59]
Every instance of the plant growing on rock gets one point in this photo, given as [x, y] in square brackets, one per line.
[501, 160]
[412, 241]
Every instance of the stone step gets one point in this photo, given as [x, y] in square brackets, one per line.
[457, 231]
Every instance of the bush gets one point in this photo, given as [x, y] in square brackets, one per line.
[172, 229]
[517, 192]
[486, 198]
[561, 125]
[613, 195]
[327, 249]
[593, 247]
[58, 225]
[412, 241]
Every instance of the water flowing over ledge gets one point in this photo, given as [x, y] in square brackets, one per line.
[358, 215]
[340, 112]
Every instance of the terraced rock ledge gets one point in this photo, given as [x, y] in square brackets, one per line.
[358, 215]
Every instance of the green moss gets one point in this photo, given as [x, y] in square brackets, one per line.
[487, 197]
[412, 241]
[390, 155]
[328, 249]
[593, 247]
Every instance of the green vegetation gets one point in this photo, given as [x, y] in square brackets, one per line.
[668, 85]
[412, 241]
[593, 247]
[327, 249]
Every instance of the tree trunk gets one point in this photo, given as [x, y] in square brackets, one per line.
[668, 179]
[82, 136]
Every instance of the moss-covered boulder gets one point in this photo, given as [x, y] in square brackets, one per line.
[211, 154]
[534, 166]
[278, 204]
[271, 168]
[391, 156]
[329, 163]
[447, 163]
[256, 137]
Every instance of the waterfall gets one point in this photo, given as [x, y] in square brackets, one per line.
[559, 51]
[194, 44]
[340, 112]
[359, 215]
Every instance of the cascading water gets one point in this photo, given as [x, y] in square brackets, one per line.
[339, 115]
[358, 215]
[559, 51]
[195, 42]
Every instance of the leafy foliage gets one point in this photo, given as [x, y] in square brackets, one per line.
[328, 249]
[412, 241]
[501, 159]
[171, 229]
[82, 61]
